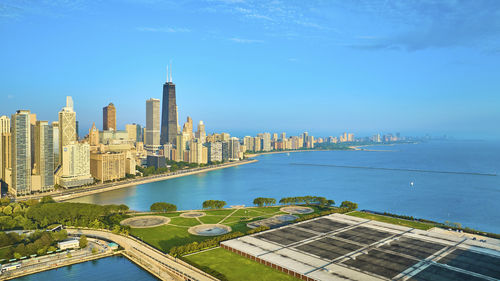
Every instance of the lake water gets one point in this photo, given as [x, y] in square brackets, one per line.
[116, 268]
[470, 199]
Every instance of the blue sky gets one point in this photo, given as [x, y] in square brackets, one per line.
[246, 66]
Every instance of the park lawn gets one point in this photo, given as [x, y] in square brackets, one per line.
[211, 219]
[170, 215]
[240, 226]
[267, 210]
[402, 222]
[233, 220]
[166, 236]
[222, 212]
[255, 213]
[236, 267]
[184, 221]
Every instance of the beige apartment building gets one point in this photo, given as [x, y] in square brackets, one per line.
[108, 166]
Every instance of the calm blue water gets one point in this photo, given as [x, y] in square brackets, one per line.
[113, 268]
[469, 199]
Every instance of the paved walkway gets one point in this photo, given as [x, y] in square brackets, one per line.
[226, 217]
[158, 263]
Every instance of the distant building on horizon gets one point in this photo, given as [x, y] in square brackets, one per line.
[109, 117]
[200, 133]
[169, 122]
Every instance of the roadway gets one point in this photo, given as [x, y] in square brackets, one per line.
[71, 193]
[156, 262]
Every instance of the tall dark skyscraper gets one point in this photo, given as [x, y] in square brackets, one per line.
[168, 112]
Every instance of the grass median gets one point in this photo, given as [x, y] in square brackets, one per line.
[235, 267]
[386, 219]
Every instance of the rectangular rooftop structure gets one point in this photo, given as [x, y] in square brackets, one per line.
[342, 247]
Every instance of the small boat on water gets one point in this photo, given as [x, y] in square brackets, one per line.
[288, 154]
[411, 184]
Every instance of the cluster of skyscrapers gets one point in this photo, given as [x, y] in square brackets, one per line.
[166, 140]
[38, 156]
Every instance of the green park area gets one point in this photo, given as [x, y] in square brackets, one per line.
[387, 219]
[176, 233]
[235, 267]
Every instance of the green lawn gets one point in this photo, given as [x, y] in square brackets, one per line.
[223, 212]
[176, 232]
[211, 219]
[184, 221]
[166, 236]
[402, 222]
[236, 267]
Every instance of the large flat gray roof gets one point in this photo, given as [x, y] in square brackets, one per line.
[342, 247]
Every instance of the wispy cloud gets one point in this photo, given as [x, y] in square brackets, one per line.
[434, 24]
[245, 41]
[162, 29]
[9, 11]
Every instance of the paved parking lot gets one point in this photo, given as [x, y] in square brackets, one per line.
[340, 247]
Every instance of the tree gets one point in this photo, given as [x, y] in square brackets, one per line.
[214, 204]
[5, 201]
[83, 241]
[163, 207]
[31, 202]
[47, 199]
[17, 209]
[349, 205]
[259, 201]
[7, 210]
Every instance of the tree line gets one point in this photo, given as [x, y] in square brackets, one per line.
[262, 201]
[162, 207]
[37, 243]
[37, 214]
[322, 201]
[214, 204]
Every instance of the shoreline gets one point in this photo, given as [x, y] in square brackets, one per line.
[289, 151]
[84, 191]
[350, 148]
[64, 263]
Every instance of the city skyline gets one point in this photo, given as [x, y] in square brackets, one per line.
[338, 73]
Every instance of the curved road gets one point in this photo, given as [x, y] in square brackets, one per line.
[160, 264]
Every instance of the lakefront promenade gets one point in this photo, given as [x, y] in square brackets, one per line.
[68, 194]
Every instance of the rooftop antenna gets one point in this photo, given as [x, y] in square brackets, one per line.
[170, 70]
[167, 73]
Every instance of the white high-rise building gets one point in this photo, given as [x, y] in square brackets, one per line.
[152, 137]
[234, 149]
[266, 141]
[4, 159]
[76, 167]
[21, 153]
[214, 151]
[200, 133]
[67, 127]
[44, 155]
